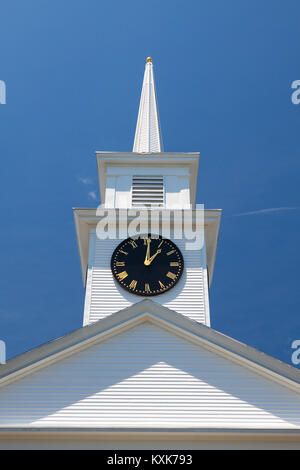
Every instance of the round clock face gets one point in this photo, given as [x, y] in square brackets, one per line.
[147, 266]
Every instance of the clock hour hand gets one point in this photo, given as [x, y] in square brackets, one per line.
[147, 262]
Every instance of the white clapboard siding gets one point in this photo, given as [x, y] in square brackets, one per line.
[148, 377]
[104, 296]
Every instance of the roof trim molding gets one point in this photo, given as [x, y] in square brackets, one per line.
[151, 432]
[148, 310]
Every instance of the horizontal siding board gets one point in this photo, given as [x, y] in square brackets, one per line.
[148, 377]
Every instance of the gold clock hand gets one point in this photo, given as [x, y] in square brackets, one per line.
[147, 251]
[149, 261]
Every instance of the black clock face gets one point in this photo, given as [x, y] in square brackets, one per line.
[147, 266]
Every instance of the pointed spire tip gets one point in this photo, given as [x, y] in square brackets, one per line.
[147, 137]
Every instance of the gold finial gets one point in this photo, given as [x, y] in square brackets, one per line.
[149, 59]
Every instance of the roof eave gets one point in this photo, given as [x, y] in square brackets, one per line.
[147, 310]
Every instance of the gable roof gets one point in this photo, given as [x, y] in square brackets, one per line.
[148, 310]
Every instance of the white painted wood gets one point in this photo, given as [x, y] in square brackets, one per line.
[148, 378]
[153, 166]
[119, 183]
[123, 191]
[147, 135]
[147, 191]
[189, 296]
[161, 164]
[177, 192]
[110, 192]
[89, 278]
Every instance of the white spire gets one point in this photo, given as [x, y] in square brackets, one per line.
[147, 135]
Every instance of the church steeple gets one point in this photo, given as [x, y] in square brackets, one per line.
[165, 183]
[148, 135]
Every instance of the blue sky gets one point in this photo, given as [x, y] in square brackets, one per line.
[73, 72]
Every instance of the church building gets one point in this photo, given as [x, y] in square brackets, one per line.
[146, 370]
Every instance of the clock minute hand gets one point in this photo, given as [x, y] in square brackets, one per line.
[147, 251]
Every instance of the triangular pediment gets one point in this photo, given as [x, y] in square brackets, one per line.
[146, 370]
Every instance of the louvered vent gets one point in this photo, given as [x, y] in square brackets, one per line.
[147, 191]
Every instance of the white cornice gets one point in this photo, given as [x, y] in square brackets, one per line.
[86, 219]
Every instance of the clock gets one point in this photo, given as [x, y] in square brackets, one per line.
[147, 265]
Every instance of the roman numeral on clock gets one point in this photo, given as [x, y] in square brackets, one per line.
[170, 252]
[124, 252]
[171, 275]
[133, 244]
[133, 284]
[147, 287]
[122, 275]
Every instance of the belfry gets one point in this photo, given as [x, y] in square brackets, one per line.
[146, 370]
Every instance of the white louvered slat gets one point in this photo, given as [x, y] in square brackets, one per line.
[147, 191]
